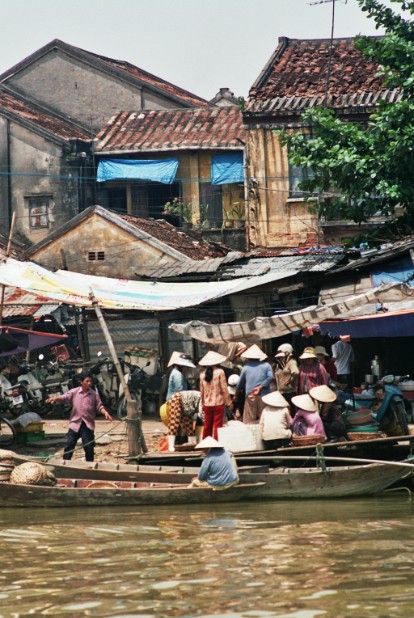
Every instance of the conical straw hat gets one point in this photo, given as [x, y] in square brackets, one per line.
[212, 358]
[322, 393]
[275, 399]
[254, 353]
[304, 402]
[209, 442]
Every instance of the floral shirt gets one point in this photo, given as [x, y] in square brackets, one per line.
[214, 393]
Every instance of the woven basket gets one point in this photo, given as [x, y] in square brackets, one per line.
[5, 471]
[6, 457]
[307, 440]
[31, 473]
[364, 435]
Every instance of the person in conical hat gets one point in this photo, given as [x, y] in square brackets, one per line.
[286, 371]
[255, 380]
[275, 421]
[254, 353]
[177, 380]
[219, 468]
[311, 372]
[307, 421]
[330, 413]
[214, 393]
[329, 365]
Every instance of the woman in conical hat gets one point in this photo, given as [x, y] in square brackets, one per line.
[307, 421]
[275, 421]
[255, 380]
[219, 468]
[214, 393]
[330, 413]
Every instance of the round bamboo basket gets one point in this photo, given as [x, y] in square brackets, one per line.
[307, 440]
[364, 435]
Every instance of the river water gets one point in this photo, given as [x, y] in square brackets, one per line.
[301, 559]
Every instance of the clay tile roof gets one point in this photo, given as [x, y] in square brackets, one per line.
[18, 106]
[168, 234]
[198, 128]
[298, 70]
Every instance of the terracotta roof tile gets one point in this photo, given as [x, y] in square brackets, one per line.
[168, 234]
[18, 106]
[299, 67]
[198, 128]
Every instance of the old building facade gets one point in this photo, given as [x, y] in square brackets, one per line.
[299, 75]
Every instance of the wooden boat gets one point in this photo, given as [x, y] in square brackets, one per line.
[277, 483]
[84, 492]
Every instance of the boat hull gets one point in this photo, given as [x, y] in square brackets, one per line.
[279, 483]
[82, 496]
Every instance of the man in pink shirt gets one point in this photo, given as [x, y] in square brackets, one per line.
[86, 404]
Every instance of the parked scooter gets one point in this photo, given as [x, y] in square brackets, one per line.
[136, 379]
[392, 410]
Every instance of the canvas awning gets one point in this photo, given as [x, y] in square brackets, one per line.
[276, 326]
[18, 340]
[157, 170]
[74, 288]
[390, 324]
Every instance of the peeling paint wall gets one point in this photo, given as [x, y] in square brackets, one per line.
[123, 254]
[39, 170]
[275, 220]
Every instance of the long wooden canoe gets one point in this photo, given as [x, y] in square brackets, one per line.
[84, 492]
[281, 482]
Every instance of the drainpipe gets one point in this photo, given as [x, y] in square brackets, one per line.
[9, 179]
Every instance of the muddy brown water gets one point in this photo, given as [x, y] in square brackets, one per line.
[302, 559]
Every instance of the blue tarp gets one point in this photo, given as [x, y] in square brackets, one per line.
[400, 270]
[399, 324]
[161, 170]
[227, 168]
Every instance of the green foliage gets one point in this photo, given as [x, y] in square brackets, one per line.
[180, 208]
[366, 169]
[238, 210]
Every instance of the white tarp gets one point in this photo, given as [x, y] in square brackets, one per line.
[74, 288]
[276, 326]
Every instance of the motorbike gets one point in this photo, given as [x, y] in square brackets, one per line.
[392, 411]
[136, 379]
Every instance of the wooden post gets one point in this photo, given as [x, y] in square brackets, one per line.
[80, 334]
[136, 440]
[8, 250]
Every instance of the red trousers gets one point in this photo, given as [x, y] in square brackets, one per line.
[213, 419]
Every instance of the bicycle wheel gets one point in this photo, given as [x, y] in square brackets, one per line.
[7, 432]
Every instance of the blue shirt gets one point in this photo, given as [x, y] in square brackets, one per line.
[218, 468]
[253, 374]
[176, 383]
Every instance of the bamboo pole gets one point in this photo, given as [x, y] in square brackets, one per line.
[273, 458]
[136, 440]
[8, 251]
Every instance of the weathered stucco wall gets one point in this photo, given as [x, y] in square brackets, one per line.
[123, 254]
[39, 170]
[276, 220]
[79, 91]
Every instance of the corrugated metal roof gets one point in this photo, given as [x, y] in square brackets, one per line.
[236, 265]
[18, 303]
[155, 131]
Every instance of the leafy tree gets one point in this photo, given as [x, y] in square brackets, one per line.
[368, 167]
